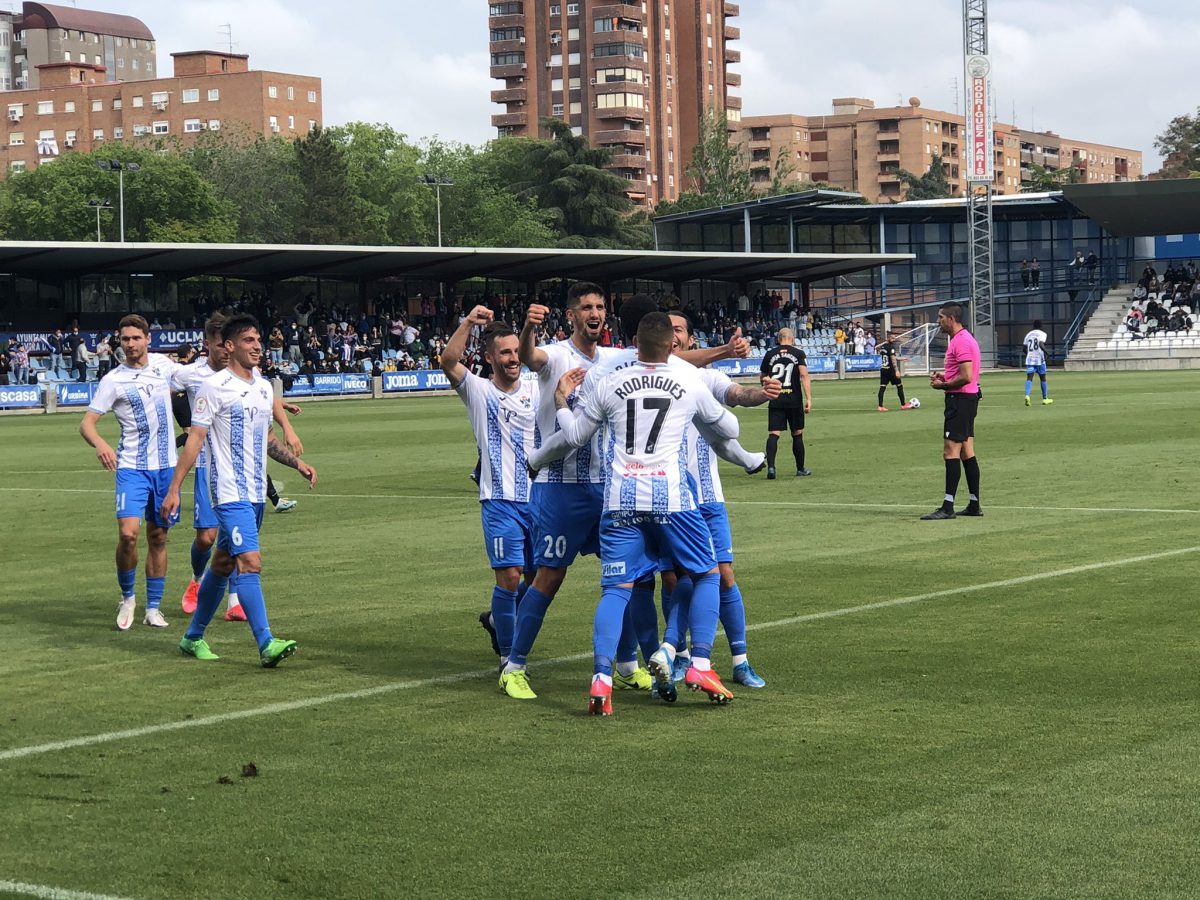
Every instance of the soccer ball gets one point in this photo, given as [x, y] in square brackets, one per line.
[914, 403]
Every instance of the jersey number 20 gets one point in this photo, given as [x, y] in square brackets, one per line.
[661, 405]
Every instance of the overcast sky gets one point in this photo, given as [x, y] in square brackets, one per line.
[1094, 70]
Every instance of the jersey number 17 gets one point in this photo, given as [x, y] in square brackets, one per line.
[661, 405]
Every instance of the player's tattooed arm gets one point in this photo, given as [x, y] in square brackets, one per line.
[281, 454]
[743, 395]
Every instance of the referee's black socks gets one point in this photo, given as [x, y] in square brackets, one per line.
[953, 474]
[971, 467]
[772, 449]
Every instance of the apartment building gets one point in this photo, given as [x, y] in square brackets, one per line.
[635, 78]
[861, 148]
[77, 109]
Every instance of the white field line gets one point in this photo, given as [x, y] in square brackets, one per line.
[815, 504]
[392, 687]
[49, 893]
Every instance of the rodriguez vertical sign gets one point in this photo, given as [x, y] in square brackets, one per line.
[980, 157]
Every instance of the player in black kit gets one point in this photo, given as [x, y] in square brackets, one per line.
[889, 371]
[786, 364]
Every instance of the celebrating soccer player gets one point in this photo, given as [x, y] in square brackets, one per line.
[138, 392]
[960, 381]
[502, 410]
[233, 414]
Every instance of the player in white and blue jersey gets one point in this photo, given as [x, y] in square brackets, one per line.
[232, 419]
[138, 393]
[1035, 362]
[502, 410]
[650, 511]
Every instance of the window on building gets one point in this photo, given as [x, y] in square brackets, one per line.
[97, 105]
[118, 133]
[572, 34]
[69, 138]
[120, 42]
[273, 121]
[134, 63]
[214, 94]
[66, 56]
[162, 128]
[120, 62]
[291, 93]
[556, 109]
[45, 107]
[137, 102]
[572, 9]
[116, 103]
[312, 96]
[96, 60]
[149, 65]
[190, 95]
[620, 98]
[556, 9]
[16, 139]
[556, 84]
[141, 130]
[312, 123]
[515, 58]
[576, 108]
[214, 124]
[17, 165]
[291, 123]
[272, 92]
[160, 98]
[133, 43]
[97, 134]
[575, 83]
[191, 126]
[69, 106]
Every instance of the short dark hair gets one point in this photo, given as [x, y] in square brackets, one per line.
[655, 334]
[633, 311]
[493, 333]
[238, 323]
[134, 321]
[216, 322]
[1037, 323]
[953, 310]
[691, 326]
[581, 289]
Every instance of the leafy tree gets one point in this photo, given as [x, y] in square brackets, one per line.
[1180, 146]
[718, 169]
[382, 169]
[166, 200]
[1042, 179]
[930, 186]
[331, 212]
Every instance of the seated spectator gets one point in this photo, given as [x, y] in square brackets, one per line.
[1133, 324]
[1151, 324]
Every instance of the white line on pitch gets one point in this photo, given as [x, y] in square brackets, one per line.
[816, 504]
[49, 893]
[292, 705]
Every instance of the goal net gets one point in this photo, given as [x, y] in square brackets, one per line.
[914, 346]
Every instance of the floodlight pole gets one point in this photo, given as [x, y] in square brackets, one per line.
[980, 168]
[121, 191]
[437, 182]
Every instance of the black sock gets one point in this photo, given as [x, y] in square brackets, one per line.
[953, 473]
[772, 449]
[798, 450]
[900, 391]
[882, 388]
[272, 494]
[971, 467]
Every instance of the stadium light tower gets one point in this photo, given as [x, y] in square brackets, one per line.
[437, 182]
[121, 168]
[980, 174]
[98, 205]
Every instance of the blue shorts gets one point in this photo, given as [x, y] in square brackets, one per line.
[1036, 370]
[633, 545]
[203, 516]
[141, 492]
[716, 516]
[567, 522]
[508, 534]
[238, 528]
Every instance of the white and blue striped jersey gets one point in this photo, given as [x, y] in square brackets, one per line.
[141, 401]
[504, 426]
[648, 409]
[237, 414]
[582, 466]
[702, 459]
[1035, 343]
[190, 378]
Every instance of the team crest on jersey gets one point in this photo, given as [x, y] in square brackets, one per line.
[201, 405]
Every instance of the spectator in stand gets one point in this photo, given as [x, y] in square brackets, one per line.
[1092, 262]
[839, 338]
[1075, 267]
[1149, 275]
[275, 344]
[57, 343]
[81, 356]
[19, 357]
[860, 339]
[103, 357]
[5, 369]
[870, 348]
[1035, 274]
[1025, 275]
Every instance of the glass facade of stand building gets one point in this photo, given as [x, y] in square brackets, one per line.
[1042, 228]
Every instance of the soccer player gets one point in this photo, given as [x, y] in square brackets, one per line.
[233, 417]
[649, 510]
[138, 393]
[786, 364]
[1035, 362]
[960, 381]
[503, 411]
[889, 370]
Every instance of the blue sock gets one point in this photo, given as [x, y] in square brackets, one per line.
[154, 591]
[199, 561]
[522, 587]
[645, 618]
[677, 622]
[627, 644]
[704, 613]
[504, 617]
[127, 579]
[1028, 386]
[208, 598]
[530, 615]
[233, 580]
[733, 619]
[1045, 389]
[250, 595]
[606, 627]
[668, 601]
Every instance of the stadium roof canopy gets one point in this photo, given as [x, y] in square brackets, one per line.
[59, 261]
[1140, 208]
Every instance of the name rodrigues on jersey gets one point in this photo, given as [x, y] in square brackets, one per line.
[649, 383]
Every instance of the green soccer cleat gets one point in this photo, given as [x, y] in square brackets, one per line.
[516, 685]
[276, 651]
[1027, 400]
[1047, 402]
[198, 648]
[639, 680]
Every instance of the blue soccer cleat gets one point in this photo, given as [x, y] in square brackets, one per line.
[680, 667]
[743, 674]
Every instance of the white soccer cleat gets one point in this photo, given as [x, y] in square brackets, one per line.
[153, 618]
[760, 463]
[125, 611]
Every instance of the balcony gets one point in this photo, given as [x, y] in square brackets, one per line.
[888, 156]
[513, 21]
[732, 57]
[510, 95]
[733, 102]
[628, 161]
[733, 79]
[507, 46]
[621, 112]
[618, 11]
[731, 10]
[637, 138]
[516, 70]
[889, 177]
[507, 120]
[733, 33]
[619, 37]
[760, 136]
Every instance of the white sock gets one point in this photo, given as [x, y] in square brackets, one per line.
[510, 666]
[233, 601]
[949, 498]
[732, 451]
[738, 659]
[604, 679]
[504, 661]
[704, 665]
[627, 668]
[684, 655]
[668, 649]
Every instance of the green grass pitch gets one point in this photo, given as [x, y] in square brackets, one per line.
[1023, 724]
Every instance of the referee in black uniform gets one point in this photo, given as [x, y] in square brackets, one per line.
[786, 364]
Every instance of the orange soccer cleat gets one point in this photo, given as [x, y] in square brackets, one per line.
[189, 596]
[708, 681]
[235, 614]
[600, 698]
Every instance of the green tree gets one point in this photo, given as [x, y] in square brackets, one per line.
[1042, 179]
[166, 200]
[331, 212]
[382, 169]
[930, 186]
[718, 170]
[1179, 144]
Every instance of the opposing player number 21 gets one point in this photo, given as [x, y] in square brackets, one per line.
[782, 372]
[661, 405]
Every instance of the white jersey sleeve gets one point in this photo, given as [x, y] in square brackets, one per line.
[504, 425]
[105, 396]
[702, 459]
[584, 465]
[190, 379]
